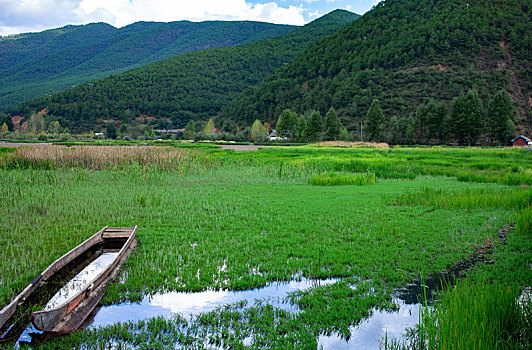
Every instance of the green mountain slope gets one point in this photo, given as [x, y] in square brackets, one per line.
[35, 64]
[192, 85]
[405, 53]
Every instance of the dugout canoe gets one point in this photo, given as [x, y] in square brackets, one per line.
[69, 310]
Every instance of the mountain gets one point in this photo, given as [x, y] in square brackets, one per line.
[35, 64]
[189, 86]
[405, 53]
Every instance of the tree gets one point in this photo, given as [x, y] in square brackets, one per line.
[429, 122]
[36, 123]
[4, 130]
[332, 125]
[467, 117]
[374, 120]
[5, 118]
[110, 131]
[300, 128]
[190, 129]
[209, 127]
[314, 129]
[501, 114]
[258, 132]
[287, 123]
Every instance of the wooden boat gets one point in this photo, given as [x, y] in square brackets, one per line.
[67, 310]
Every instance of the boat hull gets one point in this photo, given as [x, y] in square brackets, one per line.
[68, 316]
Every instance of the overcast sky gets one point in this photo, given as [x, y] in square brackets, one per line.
[19, 16]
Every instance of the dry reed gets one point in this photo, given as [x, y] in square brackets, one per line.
[101, 157]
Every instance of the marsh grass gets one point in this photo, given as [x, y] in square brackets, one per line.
[476, 314]
[510, 198]
[197, 210]
[336, 179]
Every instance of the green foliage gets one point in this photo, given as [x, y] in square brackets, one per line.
[6, 119]
[335, 179]
[314, 127]
[258, 132]
[432, 123]
[404, 53]
[332, 125]
[195, 85]
[36, 64]
[110, 131]
[209, 127]
[287, 123]
[501, 114]
[190, 129]
[374, 122]
[467, 117]
[4, 129]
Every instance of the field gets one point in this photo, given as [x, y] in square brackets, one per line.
[376, 219]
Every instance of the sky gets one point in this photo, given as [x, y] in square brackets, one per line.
[22, 16]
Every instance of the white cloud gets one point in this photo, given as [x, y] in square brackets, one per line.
[34, 15]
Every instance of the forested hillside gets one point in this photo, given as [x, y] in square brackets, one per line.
[35, 64]
[416, 57]
[189, 86]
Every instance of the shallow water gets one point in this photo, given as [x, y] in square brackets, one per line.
[370, 333]
[191, 304]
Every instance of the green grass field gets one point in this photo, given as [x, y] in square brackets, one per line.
[199, 209]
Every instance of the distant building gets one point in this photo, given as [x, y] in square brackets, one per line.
[274, 137]
[521, 141]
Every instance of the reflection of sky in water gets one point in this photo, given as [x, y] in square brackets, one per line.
[186, 304]
[81, 280]
[371, 332]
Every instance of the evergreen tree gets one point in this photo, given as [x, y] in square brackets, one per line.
[258, 132]
[287, 123]
[110, 131]
[500, 118]
[374, 121]
[314, 128]
[190, 129]
[467, 117]
[300, 128]
[332, 125]
[429, 121]
[4, 129]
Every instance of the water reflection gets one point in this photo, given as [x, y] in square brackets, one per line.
[191, 304]
[370, 333]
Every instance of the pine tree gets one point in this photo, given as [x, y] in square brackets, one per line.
[332, 125]
[314, 129]
[287, 123]
[374, 121]
[467, 117]
[501, 118]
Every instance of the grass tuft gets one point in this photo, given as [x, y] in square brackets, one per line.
[336, 179]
